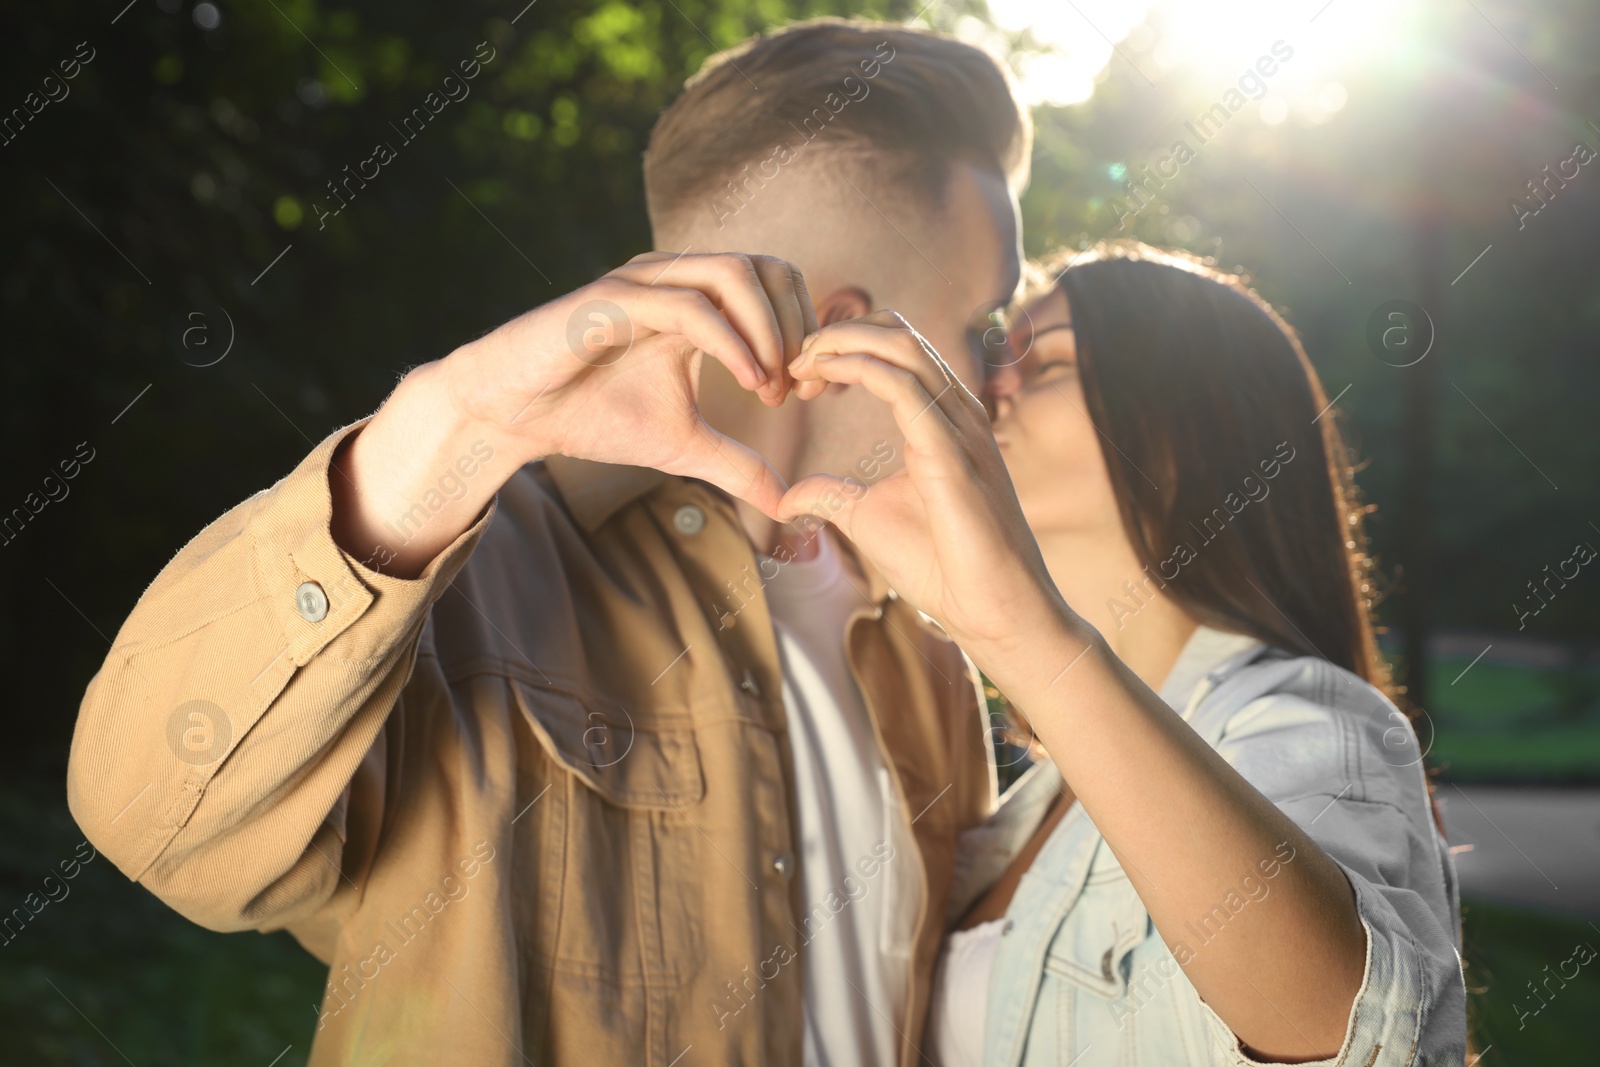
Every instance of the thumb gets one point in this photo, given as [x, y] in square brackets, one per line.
[733, 467]
[823, 496]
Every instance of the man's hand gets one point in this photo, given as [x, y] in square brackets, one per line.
[609, 372]
[946, 530]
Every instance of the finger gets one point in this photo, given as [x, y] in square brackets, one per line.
[689, 313]
[807, 309]
[885, 336]
[786, 287]
[822, 496]
[730, 282]
[791, 303]
[919, 415]
[810, 389]
[733, 467]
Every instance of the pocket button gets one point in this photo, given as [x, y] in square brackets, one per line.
[689, 520]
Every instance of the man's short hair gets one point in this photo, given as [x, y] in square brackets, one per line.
[897, 106]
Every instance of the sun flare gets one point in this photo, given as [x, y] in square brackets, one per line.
[1070, 46]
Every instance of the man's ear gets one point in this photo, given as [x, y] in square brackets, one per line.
[850, 302]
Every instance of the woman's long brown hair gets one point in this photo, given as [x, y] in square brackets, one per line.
[1202, 388]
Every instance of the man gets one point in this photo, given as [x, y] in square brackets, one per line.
[591, 760]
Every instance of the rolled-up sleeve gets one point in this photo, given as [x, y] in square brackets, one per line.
[1349, 774]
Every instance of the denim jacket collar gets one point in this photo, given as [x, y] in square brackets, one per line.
[1208, 656]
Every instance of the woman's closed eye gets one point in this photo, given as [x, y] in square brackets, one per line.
[1053, 369]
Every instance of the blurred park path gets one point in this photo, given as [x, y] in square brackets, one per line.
[1530, 846]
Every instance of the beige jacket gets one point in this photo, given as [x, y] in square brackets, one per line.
[533, 806]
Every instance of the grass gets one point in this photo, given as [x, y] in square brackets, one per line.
[1509, 723]
[107, 974]
[1506, 948]
[1489, 693]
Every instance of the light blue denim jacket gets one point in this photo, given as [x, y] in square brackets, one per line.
[1081, 976]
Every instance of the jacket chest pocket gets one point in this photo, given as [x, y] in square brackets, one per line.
[610, 836]
[1087, 999]
[1105, 925]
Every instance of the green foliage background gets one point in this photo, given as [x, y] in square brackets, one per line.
[201, 156]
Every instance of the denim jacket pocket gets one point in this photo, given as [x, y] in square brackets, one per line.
[1108, 922]
[1084, 997]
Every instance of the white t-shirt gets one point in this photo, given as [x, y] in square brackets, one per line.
[854, 989]
[959, 1009]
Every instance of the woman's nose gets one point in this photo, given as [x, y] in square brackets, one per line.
[1004, 378]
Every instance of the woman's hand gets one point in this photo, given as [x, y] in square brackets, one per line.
[946, 531]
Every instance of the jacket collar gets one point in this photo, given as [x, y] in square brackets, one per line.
[878, 589]
[1208, 652]
[594, 492]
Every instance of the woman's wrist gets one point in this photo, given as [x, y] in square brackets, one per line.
[1043, 647]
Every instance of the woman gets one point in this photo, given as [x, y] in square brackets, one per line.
[1244, 868]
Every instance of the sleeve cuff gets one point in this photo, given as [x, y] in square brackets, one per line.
[1385, 1022]
[294, 546]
